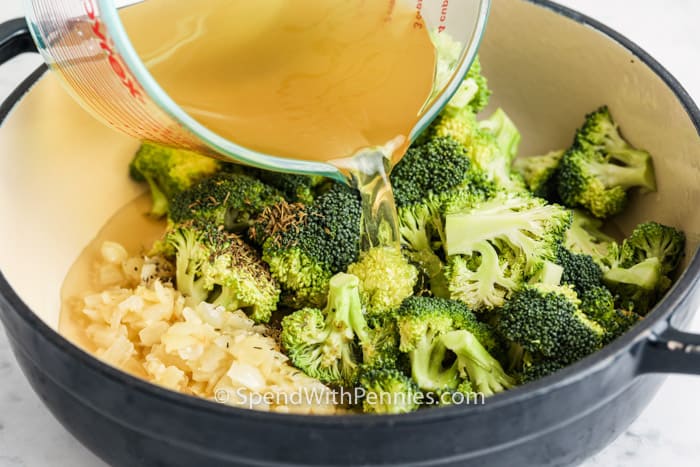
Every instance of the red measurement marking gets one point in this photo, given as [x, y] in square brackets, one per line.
[443, 15]
[107, 46]
[418, 23]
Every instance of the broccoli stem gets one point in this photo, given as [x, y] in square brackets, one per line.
[490, 270]
[344, 304]
[484, 371]
[645, 274]
[426, 366]
[433, 267]
[160, 203]
[612, 175]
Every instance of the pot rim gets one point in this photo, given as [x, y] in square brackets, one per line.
[579, 370]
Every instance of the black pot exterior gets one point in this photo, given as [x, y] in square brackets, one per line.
[559, 424]
[558, 421]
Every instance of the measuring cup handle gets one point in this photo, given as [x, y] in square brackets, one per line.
[15, 39]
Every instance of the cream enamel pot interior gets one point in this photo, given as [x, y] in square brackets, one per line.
[62, 175]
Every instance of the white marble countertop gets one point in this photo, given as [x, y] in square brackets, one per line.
[665, 434]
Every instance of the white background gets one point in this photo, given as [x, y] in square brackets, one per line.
[666, 434]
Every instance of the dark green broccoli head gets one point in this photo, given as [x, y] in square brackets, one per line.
[169, 171]
[325, 343]
[654, 240]
[538, 368]
[231, 200]
[540, 174]
[276, 220]
[547, 320]
[579, 270]
[303, 258]
[598, 304]
[295, 188]
[433, 168]
[218, 267]
[617, 322]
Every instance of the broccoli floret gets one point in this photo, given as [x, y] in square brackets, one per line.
[216, 266]
[325, 344]
[597, 172]
[527, 226]
[579, 270]
[473, 92]
[538, 368]
[638, 287]
[490, 145]
[458, 124]
[601, 133]
[549, 273]
[484, 279]
[231, 200]
[428, 178]
[539, 173]
[546, 320]
[654, 240]
[584, 236]
[386, 278]
[637, 272]
[295, 188]
[438, 168]
[598, 304]
[506, 134]
[528, 366]
[422, 321]
[169, 171]
[380, 349]
[277, 220]
[476, 364]
[590, 180]
[327, 240]
[388, 391]
[494, 163]
[420, 225]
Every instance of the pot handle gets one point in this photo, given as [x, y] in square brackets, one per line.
[15, 39]
[671, 351]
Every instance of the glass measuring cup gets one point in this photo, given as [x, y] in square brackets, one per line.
[85, 43]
